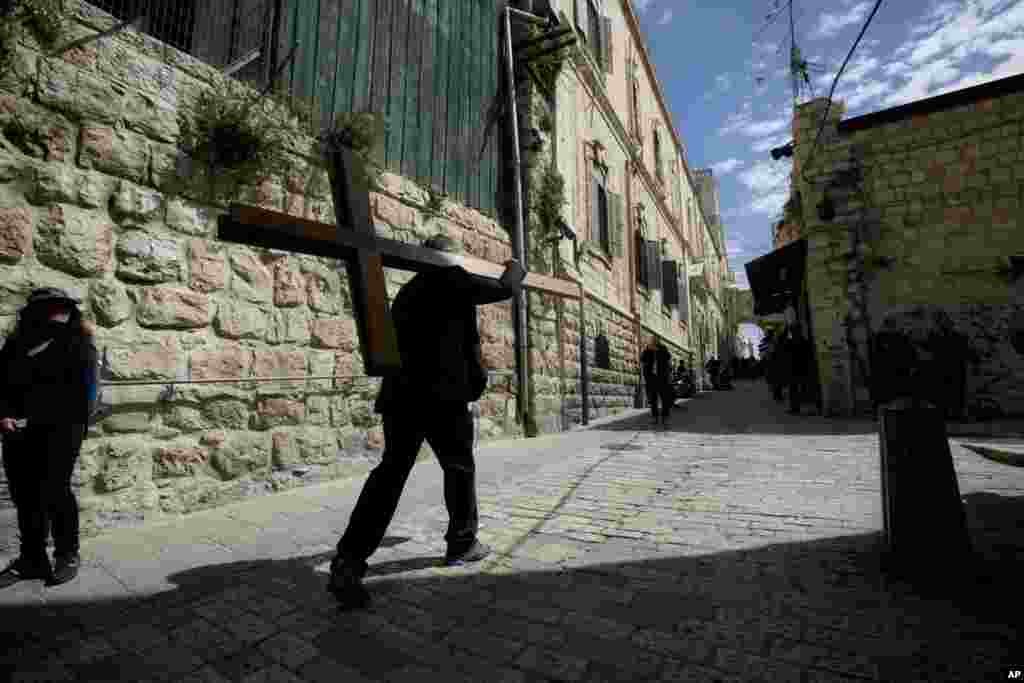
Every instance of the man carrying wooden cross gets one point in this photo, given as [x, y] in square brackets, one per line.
[441, 373]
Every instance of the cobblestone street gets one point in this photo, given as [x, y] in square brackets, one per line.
[737, 544]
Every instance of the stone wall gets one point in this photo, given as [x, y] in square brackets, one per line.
[85, 205]
[927, 210]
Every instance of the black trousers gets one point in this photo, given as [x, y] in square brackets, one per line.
[796, 393]
[449, 431]
[659, 397]
[39, 461]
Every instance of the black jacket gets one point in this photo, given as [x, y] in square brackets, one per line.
[51, 387]
[657, 364]
[435, 320]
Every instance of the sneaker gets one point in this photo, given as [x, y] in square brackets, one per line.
[346, 585]
[65, 568]
[475, 553]
[23, 570]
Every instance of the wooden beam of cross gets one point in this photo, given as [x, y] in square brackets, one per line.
[354, 241]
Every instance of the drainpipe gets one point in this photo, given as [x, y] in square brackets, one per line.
[519, 241]
[631, 228]
[584, 365]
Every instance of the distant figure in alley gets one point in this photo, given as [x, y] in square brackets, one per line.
[442, 372]
[656, 362]
[47, 375]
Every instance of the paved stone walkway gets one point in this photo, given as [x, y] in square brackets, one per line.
[738, 544]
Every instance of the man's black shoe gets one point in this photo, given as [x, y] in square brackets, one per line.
[346, 585]
[475, 553]
[65, 568]
[23, 570]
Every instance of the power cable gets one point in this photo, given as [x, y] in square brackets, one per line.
[835, 82]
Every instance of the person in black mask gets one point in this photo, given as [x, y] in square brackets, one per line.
[47, 371]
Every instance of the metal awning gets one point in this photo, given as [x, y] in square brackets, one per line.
[777, 278]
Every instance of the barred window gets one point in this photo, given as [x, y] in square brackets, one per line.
[219, 32]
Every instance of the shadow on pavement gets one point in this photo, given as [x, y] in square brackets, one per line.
[820, 610]
[996, 523]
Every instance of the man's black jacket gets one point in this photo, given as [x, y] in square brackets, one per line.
[435, 320]
[657, 364]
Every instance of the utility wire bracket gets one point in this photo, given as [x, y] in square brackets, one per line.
[242, 62]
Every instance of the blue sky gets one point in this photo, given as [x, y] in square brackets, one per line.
[731, 97]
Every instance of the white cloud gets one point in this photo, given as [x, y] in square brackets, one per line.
[770, 204]
[726, 167]
[901, 69]
[764, 176]
[665, 18]
[923, 80]
[768, 183]
[737, 120]
[967, 31]
[762, 128]
[869, 91]
[831, 24]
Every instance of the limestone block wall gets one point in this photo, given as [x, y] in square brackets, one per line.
[937, 203]
[85, 204]
[611, 390]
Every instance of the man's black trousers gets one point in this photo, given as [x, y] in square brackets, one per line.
[39, 461]
[449, 431]
[661, 397]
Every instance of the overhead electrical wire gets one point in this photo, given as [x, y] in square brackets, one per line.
[832, 90]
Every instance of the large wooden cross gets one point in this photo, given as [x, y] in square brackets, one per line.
[354, 240]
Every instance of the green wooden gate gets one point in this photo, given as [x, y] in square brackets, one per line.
[429, 66]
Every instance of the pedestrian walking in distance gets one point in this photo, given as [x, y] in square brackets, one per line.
[47, 373]
[656, 362]
[800, 351]
[442, 372]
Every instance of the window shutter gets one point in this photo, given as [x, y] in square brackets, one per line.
[669, 274]
[595, 209]
[615, 224]
[684, 294]
[606, 44]
[654, 264]
[640, 247]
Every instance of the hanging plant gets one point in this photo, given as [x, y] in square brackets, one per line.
[550, 201]
[43, 20]
[547, 67]
[363, 133]
[233, 137]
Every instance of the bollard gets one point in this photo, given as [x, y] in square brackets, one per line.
[925, 524]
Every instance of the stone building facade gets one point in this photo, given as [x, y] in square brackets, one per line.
[87, 154]
[925, 236]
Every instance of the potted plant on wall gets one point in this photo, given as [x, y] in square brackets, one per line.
[233, 138]
[354, 141]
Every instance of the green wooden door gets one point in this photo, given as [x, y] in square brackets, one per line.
[429, 66]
